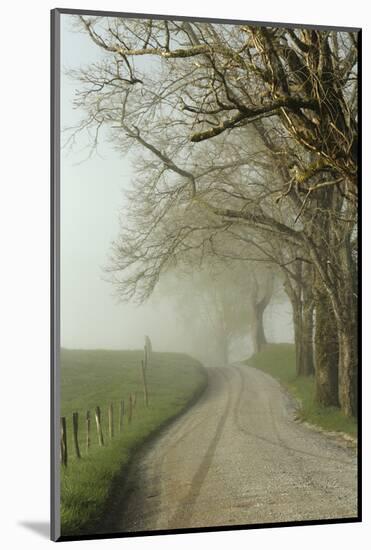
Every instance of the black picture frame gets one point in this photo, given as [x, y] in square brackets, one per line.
[55, 141]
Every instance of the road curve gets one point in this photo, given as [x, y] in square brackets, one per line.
[238, 457]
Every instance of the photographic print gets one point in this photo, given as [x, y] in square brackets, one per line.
[205, 363]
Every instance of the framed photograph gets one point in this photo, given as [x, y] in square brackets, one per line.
[205, 274]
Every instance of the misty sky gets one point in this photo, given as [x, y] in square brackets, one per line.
[91, 196]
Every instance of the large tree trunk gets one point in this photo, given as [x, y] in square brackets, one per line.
[258, 308]
[303, 333]
[326, 352]
[341, 294]
[257, 327]
[298, 289]
[348, 372]
[344, 311]
[298, 333]
[348, 334]
[307, 359]
[348, 337]
[293, 290]
[326, 330]
[330, 247]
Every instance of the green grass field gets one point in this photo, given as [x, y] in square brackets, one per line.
[278, 360]
[98, 377]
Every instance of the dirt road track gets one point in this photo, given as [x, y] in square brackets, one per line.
[238, 457]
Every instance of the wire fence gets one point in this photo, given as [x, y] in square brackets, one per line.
[116, 412]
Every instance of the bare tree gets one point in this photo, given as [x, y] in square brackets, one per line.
[236, 126]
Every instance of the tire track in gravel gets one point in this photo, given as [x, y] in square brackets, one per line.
[185, 508]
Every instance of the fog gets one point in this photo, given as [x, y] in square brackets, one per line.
[91, 196]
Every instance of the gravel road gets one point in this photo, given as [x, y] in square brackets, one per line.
[238, 457]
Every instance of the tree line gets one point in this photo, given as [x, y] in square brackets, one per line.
[245, 139]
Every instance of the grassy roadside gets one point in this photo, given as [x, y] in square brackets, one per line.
[278, 360]
[91, 378]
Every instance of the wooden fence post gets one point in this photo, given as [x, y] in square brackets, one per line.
[110, 421]
[130, 411]
[121, 419]
[75, 424]
[99, 426]
[87, 430]
[63, 442]
[147, 351]
[145, 356]
[145, 391]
